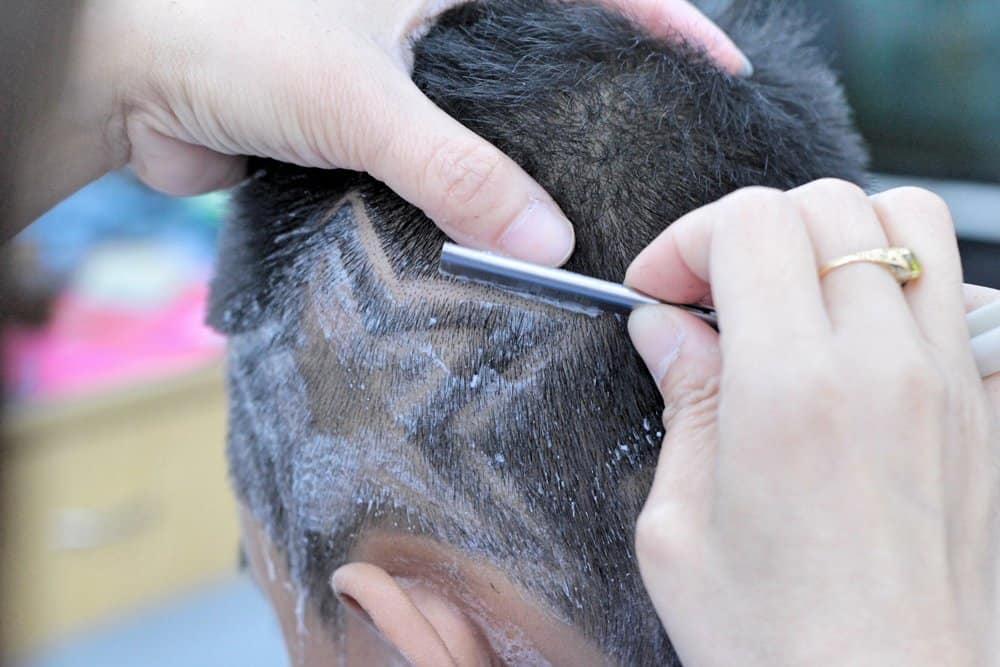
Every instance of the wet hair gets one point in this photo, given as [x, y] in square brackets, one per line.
[367, 391]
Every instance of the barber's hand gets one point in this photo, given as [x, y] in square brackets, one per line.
[827, 490]
[323, 84]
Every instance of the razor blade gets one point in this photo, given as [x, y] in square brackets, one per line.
[580, 293]
[559, 287]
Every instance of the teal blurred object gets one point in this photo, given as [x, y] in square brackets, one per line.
[924, 79]
[111, 287]
[119, 207]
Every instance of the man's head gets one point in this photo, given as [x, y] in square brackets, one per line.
[487, 456]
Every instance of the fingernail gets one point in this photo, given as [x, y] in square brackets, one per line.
[657, 337]
[541, 234]
[746, 69]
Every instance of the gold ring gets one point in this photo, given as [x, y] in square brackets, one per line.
[900, 262]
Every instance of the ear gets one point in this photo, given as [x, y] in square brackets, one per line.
[416, 619]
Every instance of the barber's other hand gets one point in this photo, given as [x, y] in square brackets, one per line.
[324, 84]
[827, 490]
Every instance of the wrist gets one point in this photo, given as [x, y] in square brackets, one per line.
[77, 136]
[106, 56]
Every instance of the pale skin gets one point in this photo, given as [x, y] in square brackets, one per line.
[408, 597]
[827, 489]
[804, 501]
[189, 88]
[773, 514]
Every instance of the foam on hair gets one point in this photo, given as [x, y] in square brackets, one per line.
[367, 391]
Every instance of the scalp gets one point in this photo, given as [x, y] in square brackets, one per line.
[368, 391]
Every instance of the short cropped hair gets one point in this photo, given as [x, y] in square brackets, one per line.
[367, 391]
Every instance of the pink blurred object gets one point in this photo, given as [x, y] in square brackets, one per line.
[90, 345]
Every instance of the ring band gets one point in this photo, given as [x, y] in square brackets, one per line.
[900, 262]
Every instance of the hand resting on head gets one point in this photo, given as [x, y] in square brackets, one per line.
[827, 490]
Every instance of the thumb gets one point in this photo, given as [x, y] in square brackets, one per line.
[469, 188]
[683, 355]
[179, 168]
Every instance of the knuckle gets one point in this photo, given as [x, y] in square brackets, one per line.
[812, 386]
[907, 375]
[916, 377]
[462, 172]
[838, 214]
[764, 205]
[823, 382]
[838, 190]
[696, 399]
[366, 148]
[662, 535]
[921, 198]
[757, 196]
[918, 203]
[823, 388]
[313, 136]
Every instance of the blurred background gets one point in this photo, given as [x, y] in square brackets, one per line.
[923, 77]
[122, 537]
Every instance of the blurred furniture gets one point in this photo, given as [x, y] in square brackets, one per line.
[225, 623]
[114, 499]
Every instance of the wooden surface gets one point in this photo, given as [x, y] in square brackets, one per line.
[113, 502]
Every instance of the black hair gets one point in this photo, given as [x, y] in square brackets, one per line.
[368, 391]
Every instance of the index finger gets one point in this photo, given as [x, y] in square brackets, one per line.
[750, 251]
[475, 193]
[679, 18]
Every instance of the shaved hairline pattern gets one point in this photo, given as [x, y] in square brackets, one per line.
[366, 382]
[368, 392]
